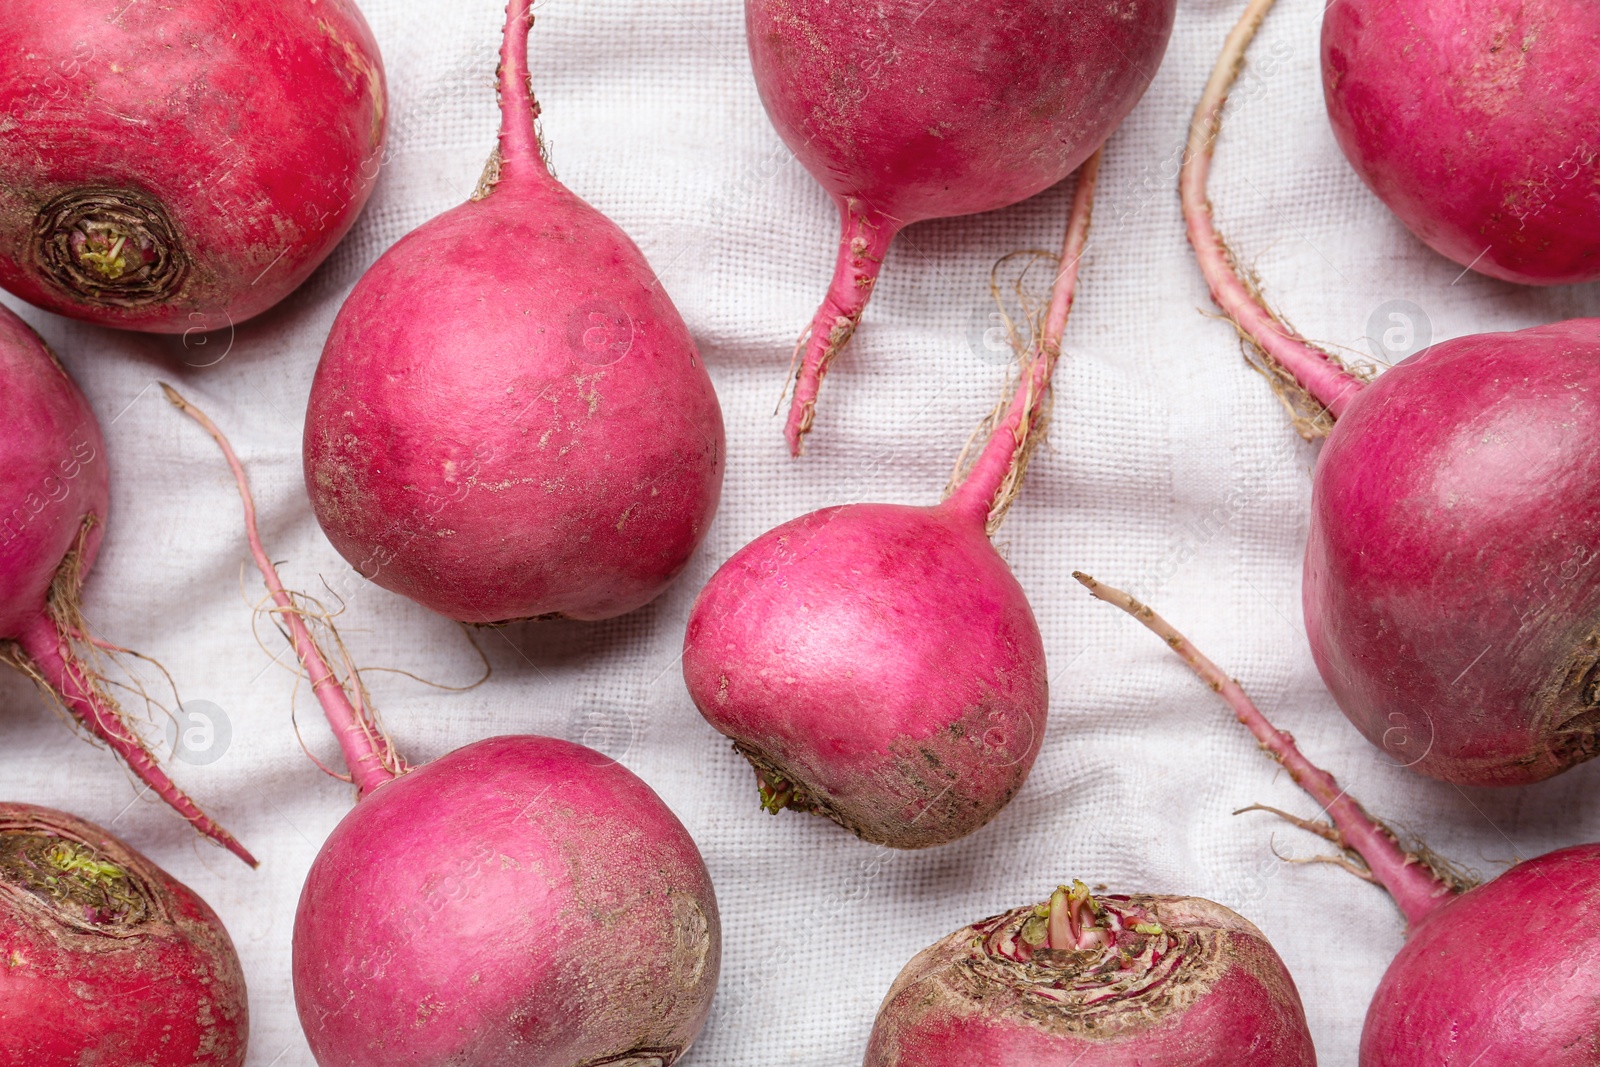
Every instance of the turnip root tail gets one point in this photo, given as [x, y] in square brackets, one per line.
[1416, 888]
[995, 477]
[520, 152]
[367, 752]
[47, 656]
[864, 240]
[1319, 385]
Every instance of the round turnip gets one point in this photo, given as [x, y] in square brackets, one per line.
[1505, 973]
[1478, 123]
[879, 664]
[107, 958]
[54, 493]
[536, 898]
[181, 166]
[1096, 981]
[907, 110]
[522, 899]
[505, 436]
[1452, 586]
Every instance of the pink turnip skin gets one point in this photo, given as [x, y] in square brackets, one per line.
[906, 111]
[1208, 990]
[55, 481]
[1478, 123]
[1505, 973]
[521, 900]
[879, 664]
[108, 959]
[181, 166]
[1470, 986]
[510, 419]
[1452, 588]
[811, 648]
[1451, 592]
[54, 497]
[511, 886]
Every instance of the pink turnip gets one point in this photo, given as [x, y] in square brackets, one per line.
[510, 419]
[54, 492]
[1502, 973]
[181, 166]
[1478, 123]
[107, 958]
[879, 664]
[906, 110]
[1096, 981]
[1452, 585]
[521, 900]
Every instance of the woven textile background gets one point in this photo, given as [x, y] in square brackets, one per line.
[1170, 470]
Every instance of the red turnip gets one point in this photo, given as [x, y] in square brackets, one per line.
[107, 959]
[879, 664]
[1452, 586]
[523, 900]
[507, 434]
[181, 166]
[1502, 973]
[1478, 123]
[54, 492]
[907, 110]
[1096, 981]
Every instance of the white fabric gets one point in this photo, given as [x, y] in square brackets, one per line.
[1171, 470]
